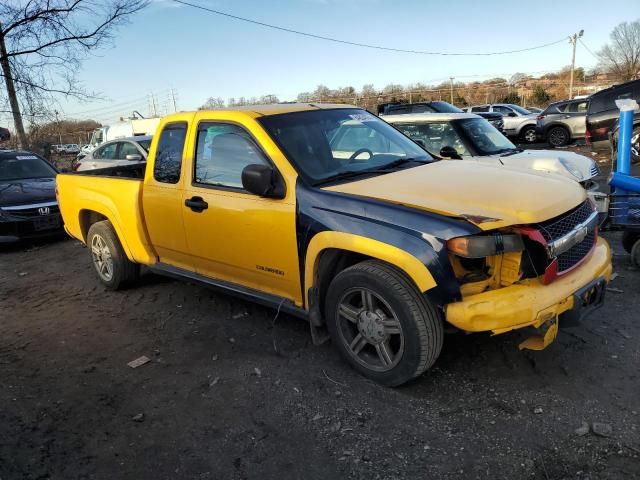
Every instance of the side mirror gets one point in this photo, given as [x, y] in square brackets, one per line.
[263, 180]
[134, 157]
[512, 114]
[420, 142]
[450, 152]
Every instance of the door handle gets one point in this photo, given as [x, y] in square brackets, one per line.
[197, 204]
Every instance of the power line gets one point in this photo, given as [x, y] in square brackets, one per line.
[357, 44]
[588, 49]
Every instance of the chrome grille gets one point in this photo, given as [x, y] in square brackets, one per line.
[560, 226]
[576, 253]
[30, 212]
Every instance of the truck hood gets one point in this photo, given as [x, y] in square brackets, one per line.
[569, 164]
[27, 191]
[485, 195]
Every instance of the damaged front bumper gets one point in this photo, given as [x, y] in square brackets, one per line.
[530, 303]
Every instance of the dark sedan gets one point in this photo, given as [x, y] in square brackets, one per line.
[28, 206]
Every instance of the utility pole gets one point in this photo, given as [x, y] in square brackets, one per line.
[11, 93]
[573, 39]
[153, 105]
[173, 98]
[58, 127]
[451, 85]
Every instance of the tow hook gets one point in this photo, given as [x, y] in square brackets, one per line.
[545, 334]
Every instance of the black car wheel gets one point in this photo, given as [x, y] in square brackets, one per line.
[558, 136]
[635, 145]
[113, 267]
[629, 239]
[381, 324]
[528, 134]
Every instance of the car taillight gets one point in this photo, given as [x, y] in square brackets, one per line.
[539, 117]
[587, 137]
[75, 166]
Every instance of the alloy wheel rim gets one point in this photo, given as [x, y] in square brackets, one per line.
[370, 330]
[530, 135]
[635, 145]
[102, 259]
[557, 137]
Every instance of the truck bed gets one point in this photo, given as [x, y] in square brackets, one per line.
[107, 194]
[135, 171]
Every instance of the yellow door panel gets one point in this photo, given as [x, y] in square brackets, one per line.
[245, 239]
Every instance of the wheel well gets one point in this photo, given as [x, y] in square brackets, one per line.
[88, 218]
[331, 262]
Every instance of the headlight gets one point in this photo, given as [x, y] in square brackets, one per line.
[481, 246]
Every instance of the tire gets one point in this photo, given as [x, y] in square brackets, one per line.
[375, 309]
[528, 134]
[635, 254]
[111, 264]
[629, 239]
[558, 136]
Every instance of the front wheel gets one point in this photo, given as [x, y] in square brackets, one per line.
[381, 324]
[113, 267]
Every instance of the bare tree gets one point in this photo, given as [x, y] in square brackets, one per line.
[213, 104]
[43, 42]
[621, 57]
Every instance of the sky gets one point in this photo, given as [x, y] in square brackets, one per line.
[169, 47]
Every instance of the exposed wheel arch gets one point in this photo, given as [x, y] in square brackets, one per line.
[88, 218]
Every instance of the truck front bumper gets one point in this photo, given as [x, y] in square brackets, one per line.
[529, 303]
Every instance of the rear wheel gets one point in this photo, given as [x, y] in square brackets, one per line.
[629, 239]
[528, 134]
[113, 267]
[635, 254]
[635, 145]
[558, 136]
[381, 324]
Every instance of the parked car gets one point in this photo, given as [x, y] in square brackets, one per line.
[379, 249]
[493, 118]
[562, 122]
[602, 113]
[4, 134]
[469, 137]
[72, 148]
[518, 122]
[124, 151]
[28, 206]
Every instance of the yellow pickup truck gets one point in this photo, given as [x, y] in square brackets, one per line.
[331, 214]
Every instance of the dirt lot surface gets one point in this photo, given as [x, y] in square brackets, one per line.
[232, 393]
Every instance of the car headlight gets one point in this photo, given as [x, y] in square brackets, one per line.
[572, 170]
[480, 246]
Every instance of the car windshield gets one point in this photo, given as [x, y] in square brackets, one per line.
[22, 167]
[145, 144]
[520, 110]
[486, 139]
[326, 144]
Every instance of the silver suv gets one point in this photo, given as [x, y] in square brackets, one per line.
[518, 122]
[562, 122]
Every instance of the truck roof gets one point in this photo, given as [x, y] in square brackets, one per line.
[278, 108]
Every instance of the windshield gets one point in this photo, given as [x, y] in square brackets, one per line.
[22, 167]
[520, 110]
[445, 107]
[485, 137]
[434, 135]
[323, 144]
[145, 144]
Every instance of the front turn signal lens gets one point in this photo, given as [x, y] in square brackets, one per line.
[485, 245]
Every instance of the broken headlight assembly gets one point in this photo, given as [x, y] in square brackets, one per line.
[481, 246]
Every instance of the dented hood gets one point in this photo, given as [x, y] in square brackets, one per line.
[486, 195]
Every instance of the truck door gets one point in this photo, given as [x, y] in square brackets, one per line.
[232, 234]
[162, 197]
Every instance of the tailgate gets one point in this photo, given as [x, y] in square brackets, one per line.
[83, 198]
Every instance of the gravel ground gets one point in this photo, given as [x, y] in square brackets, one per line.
[232, 392]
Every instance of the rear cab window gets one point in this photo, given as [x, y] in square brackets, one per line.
[168, 159]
